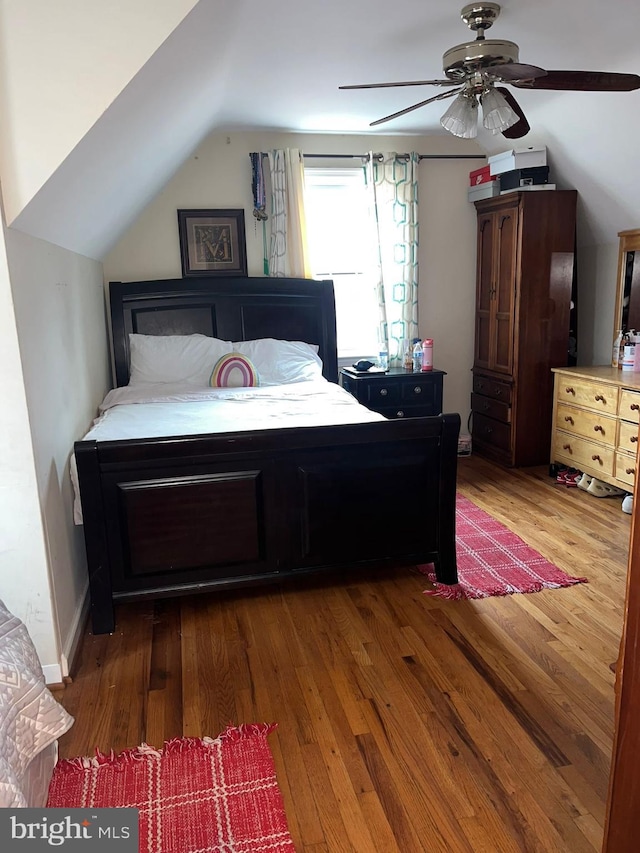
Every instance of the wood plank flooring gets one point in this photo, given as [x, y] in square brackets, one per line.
[405, 723]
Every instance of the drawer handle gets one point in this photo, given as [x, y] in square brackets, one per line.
[600, 398]
[633, 439]
[634, 407]
[488, 430]
[383, 392]
[596, 458]
[480, 384]
[569, 390]
[569, 419]
[498, 392]
[567, 447]
[400, 414]
[417, 390]
[598, 428]
[486, 407]
[630, 470]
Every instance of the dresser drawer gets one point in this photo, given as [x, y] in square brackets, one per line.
[492, 388]
[591, 395]
[628, 437]
[381, 393]
[626, 468]
[491, 432]
[580, 453]
[629, 405]
[491, 408]
[585, 423]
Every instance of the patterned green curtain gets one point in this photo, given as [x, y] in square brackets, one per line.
[392, 184]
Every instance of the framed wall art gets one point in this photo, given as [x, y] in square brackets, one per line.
[212, 242]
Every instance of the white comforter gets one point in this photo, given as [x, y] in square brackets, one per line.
[162, 409]
[31, 719]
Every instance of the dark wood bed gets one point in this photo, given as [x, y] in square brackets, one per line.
[171, 516]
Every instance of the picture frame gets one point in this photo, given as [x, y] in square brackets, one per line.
[212, 242]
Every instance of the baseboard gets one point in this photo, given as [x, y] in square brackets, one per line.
[74, 637]
[52, 674]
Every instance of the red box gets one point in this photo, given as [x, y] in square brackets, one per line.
[481, 176]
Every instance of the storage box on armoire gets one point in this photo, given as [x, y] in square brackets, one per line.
[517, 178]
[480, 176]
[517, 158]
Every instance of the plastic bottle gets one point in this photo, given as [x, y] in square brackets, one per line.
[615, 355]
[383, 356]
[427, 354]
[417, 354]
[629, 351]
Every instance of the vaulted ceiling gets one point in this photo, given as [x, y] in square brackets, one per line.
[244, 64]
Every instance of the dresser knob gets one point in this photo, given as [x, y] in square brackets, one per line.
[598, 428]
[630, 470]
[569, 419]
[634, 407]
[569, 390]
[567, 447]
[486, 407]
[417, 389]
[488, 430]
[383, 392]
[498, 392]
[633, 439]
[596, 458]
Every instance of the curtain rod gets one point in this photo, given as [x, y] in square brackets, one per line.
[405, 156]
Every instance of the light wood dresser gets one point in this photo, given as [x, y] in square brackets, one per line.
[596, 413]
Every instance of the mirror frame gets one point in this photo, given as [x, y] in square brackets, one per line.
[629, 242]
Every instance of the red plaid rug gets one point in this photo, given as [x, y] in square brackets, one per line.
[494, 561]
[194, 795]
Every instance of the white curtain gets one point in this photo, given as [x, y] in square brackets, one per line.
[288, 254]
[392, 184]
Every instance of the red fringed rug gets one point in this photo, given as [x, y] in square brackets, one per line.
[494, 561]
[194, 795]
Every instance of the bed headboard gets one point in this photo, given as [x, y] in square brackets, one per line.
[233, 309]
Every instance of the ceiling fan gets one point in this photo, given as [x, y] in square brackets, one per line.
[475, 68]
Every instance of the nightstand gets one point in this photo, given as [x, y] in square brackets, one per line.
[398, 393]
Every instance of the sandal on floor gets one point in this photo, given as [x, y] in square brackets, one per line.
[603, 490]
[584, 482]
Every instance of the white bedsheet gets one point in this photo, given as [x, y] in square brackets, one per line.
[31, 719]
[158, 409]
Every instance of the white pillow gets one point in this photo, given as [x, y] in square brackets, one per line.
[174, 358]
[282, 362]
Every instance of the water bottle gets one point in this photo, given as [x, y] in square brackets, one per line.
[417, 355]
[383, 356]
[427, 354]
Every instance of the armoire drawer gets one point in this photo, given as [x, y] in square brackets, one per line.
[587, 424]
[492, 432]
[599, 397]
[491, 408]
[492, 388]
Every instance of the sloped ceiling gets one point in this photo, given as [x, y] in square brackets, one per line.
[243, 64]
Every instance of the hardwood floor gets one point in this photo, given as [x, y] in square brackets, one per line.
[405, 723]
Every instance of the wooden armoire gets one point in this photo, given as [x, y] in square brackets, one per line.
[525, 278]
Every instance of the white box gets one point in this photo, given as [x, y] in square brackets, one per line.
[529, 188]
[486, 190]
[517, 158]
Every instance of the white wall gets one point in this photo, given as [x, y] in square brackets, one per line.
[218, 175]
[62, 64]
[60, 322]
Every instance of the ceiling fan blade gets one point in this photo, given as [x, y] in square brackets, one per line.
[406, 83]
[521, 127]
[516, 71]
[583, 81]
[439, 97]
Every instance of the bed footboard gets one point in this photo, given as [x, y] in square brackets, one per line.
[165, 517]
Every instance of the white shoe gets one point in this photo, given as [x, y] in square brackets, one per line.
[585, 481]
[627, 504]
[603, 490]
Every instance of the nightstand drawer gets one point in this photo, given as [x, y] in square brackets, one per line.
[381, 393]
[401, 411]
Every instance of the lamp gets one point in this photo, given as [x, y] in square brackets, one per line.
[461, 119]
[497, 115]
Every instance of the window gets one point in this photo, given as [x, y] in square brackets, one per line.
[340, 241]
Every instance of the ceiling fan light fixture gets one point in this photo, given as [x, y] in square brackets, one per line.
[497, 115]
[461, 119]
